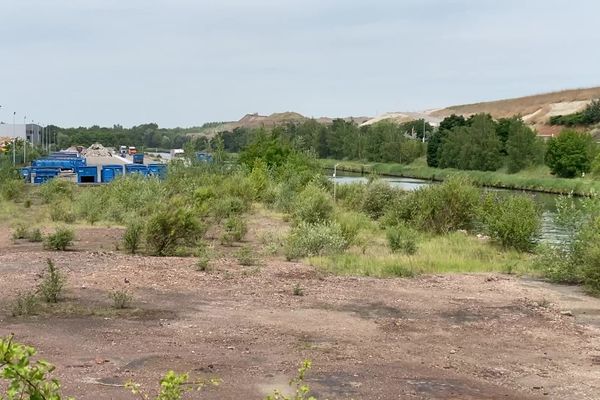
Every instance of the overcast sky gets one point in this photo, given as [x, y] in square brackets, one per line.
[185, 62]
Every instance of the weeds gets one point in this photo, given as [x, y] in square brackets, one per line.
[246, 256]
[235, 230]
[52, 284]
[133, 237]
[20, 232]
[25, 304]
[35, 236]
[307, 240]
[403, 239]
[121, 299]
[298, 290]
[60, 239]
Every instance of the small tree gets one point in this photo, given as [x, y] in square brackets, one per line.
[570, 154]
[52, 284]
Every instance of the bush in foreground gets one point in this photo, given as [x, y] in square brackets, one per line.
[60, 239]
[307, 240]
[52, 284]
[169, 227]
[402, 239]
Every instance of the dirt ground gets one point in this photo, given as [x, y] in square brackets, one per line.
[431, 337]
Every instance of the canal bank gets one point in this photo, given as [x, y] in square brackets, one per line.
[532, 180]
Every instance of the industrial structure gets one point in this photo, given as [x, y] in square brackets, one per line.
[30, 132]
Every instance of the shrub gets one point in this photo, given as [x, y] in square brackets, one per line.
[62, 211]
[556, 265]
[57, 189]
[307, 240]
[378, 195]
[204, 255]
[52, 284]
[169, 227]
[12, 189]
[121, 299]
[235, 230]
[35, 235]
[91, 205]
[298, 290]
[25, 304]
[351, 195]
[351, 223]
[246, 256]
[442, 208]
[570, 154]
[133, 236]
[60, 239]
[20, 232]
[313, 205]
[228, 206]
[403, 239]
[512, 220]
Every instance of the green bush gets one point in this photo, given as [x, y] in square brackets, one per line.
[402, 239]
[556, 265]
[12, 189]
[52, 284]
[228, 206]
[204, 254]
[351, 224]
[313, 205]
[60, 239]
[377, 197]
[90, 205]
[121, 299]
[35, 235]
[20, 232]
[170, 227]
[512, 220]
[570, 154]
[62, 211]
[25, 304]
[234, 231]
[307, 240]
[133, 236]
[246, 256]
[351, 195]
[438, 208]
[57, 190]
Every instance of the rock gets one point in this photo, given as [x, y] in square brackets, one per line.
[568, 313]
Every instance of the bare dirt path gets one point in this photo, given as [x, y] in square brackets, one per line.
[432, 337]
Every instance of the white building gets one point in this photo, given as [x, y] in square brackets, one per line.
[31, 132]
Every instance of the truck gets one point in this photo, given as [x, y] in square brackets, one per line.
[123, 151]
[132, 150]
[177, 153]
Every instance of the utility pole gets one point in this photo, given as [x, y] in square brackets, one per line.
[14, 140]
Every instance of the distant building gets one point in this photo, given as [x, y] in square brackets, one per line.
[31, 132]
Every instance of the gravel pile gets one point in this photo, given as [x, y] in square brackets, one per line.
[97, 150]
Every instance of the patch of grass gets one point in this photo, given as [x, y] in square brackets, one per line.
[52, 284]
[121, 299]
[298, 290]
[25, 304]
[133, 236]
[235, 230]
[60, 239]
[246, 256]
[35, 236]
[450, 253]
[20, 232]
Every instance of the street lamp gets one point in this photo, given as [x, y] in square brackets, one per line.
[334, 181]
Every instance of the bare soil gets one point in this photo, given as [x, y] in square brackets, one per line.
[433, 337]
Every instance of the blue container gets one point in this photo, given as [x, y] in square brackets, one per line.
[138, 158]
[64, 154]
[159, 170]
[136, 169]
[87, 174]
[25, 173]
[62, 163]
[110, 172]
[41, 175]
[204, 157]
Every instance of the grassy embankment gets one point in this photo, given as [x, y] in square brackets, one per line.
[535, 179]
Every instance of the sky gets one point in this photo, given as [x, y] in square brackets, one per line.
[186, 62]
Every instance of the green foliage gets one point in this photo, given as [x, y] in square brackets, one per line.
[57, 190]
[35, 235]
[595, 168]
[589, 116]
[313, 205]
[169, 227]
[570, 154]
[25, 304]
[133, 236]
[227, 207]
[473, 147]
[246, 256]
[12, 189]
[301, 389]
[52, 284]
[265, 148]
[442, 208]
[436, 140]
[121, 299]
[298, 290]
[62, 211]
[204, 254]
[351, 224]
[60, 239]
[402, 238]
[25, 379]
[20, 232]
[512, 220]
[523, 148]
[172, 387]
[378, 195]
[306, 240]
[235, 230]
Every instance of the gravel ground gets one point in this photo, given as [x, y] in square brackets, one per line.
[433, 337]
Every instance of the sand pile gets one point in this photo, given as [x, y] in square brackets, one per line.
[97, 150]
